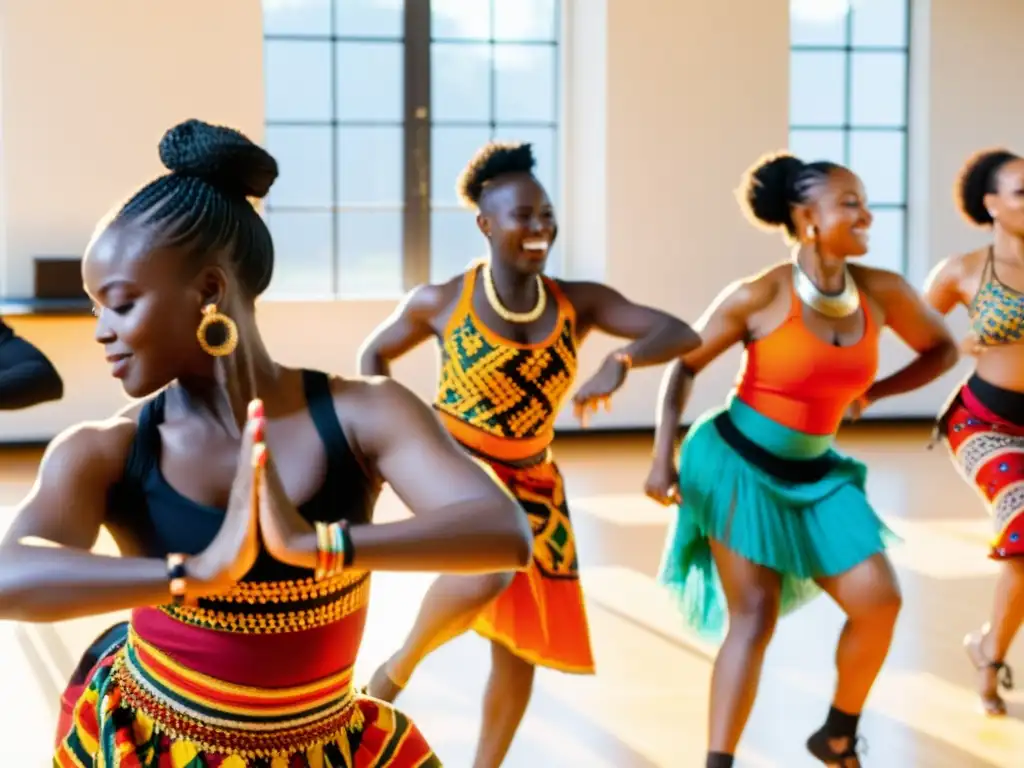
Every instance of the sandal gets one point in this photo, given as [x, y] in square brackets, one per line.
[1001, 676]
[818, 745]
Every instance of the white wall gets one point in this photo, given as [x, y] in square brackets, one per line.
[667, 101]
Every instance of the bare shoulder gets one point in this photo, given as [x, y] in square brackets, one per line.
[430, 299]
[95, 448]
[756, 292]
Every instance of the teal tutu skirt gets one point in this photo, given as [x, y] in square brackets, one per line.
[802, 530]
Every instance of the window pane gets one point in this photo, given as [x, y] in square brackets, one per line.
[878, 158]
[455, 241]
[886, 244]
[463, 19]
[545, 150]
[450, 149]
[879, 89]
[817, 22]
[818, 145]
[303, 155]
[525, 83]
[370, 18]
[302, 254]
[816, 89]
[370, 79]
[460, 85]
[881, 22]
[370, 167]
[298, 80]
[286, 17]
[526, 20]
[370, 253]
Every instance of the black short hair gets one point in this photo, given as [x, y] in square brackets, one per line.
[203, 203]
[778, 181]
[978, 178]
[497, 158]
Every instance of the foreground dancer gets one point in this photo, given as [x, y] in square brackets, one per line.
[769, 511]
[984, 423]
[509, 338]
[247, 616]
[27, 377]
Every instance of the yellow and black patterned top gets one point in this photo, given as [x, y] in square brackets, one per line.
[499, 397]
[997, 312]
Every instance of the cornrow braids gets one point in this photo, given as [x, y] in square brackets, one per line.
[203, 203]
[775, 183]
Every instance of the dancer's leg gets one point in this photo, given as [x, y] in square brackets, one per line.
[752, 593]
[508, 692]
[988, 647]
[870, 596]
[448, 610]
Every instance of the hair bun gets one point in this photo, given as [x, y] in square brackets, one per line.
[222, 156]
[768, 188]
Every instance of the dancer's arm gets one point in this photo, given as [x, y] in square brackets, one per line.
[942, 288]
[657, 336]
[27, 377]
[464, 521]
[722, 325]
[47, 572]
[918, 325]
[407, 327]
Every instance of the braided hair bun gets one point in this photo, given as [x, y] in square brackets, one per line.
[221, 156]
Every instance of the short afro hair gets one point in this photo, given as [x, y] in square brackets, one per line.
[492, 160]
[978, 178]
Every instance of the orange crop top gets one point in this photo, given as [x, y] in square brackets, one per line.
[803, 382]
[497, 397]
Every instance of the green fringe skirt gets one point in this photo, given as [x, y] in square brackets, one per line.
[790, 502]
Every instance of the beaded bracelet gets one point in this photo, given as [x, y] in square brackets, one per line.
[333, 549]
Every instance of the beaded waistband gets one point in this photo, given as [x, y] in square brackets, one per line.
[225, 718]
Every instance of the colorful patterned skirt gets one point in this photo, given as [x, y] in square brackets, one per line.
[541, 617]
[779, 498]
[141, 709]
[984, 429]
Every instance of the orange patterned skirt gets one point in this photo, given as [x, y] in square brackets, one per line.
[541, 617]
[141, 708]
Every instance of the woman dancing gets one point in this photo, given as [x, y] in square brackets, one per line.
[769, 511]
[984, 423]
[509, 338]
[247, 567]
[27, 377]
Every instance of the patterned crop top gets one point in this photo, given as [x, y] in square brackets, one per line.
[497, 397]
[997, 311]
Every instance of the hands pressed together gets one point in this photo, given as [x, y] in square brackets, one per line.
[258, 511]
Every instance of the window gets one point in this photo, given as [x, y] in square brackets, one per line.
[373, 107]
[849, 66]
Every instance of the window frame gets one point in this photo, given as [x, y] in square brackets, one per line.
[848, 128]
[417, 126]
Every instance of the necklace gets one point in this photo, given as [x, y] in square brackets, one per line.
[507, 314]
[842, 304]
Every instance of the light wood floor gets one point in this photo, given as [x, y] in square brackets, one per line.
[647, 705]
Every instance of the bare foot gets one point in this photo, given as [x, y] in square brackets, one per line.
[382, 686]
[989, 677]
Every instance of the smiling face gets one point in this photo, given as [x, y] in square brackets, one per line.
[518, 220]
[838, 213]
[148, 307]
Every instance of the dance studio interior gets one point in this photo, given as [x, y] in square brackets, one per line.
[643, 118]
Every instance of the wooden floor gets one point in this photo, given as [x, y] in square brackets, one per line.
[647, 705]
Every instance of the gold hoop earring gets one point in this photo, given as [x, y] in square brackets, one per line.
[223, 330]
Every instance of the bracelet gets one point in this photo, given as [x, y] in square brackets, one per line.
[177, 577]
[334, 551]
[625, 358]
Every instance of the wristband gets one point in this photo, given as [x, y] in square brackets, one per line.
[177, 577]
